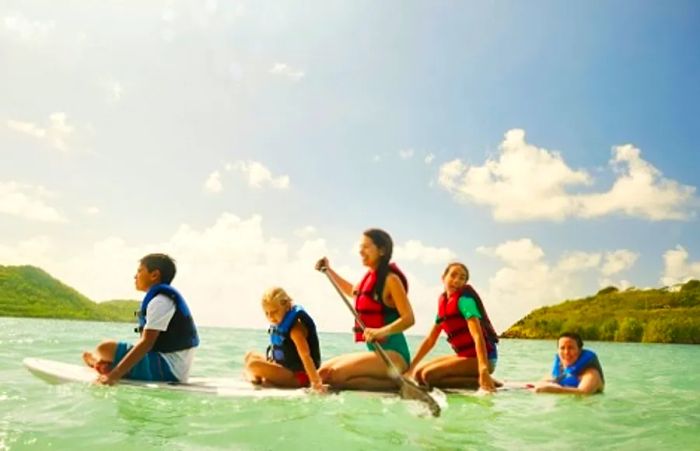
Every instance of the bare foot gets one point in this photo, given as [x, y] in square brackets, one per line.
[101, 366]
[252, 378]
[89, 359]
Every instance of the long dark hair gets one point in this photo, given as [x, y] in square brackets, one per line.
[385, 244]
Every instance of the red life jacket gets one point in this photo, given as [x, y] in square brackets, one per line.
[370, 307]
[455, 325]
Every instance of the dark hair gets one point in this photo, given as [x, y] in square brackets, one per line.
[163, 263]
[462, 265]
[384, 243]
[574, 336]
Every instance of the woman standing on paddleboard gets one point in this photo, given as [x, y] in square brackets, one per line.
[383, 307]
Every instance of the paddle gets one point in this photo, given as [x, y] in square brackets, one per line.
[407, 388]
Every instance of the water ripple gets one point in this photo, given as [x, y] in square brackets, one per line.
[656, 409]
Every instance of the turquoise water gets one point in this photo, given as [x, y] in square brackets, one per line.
[652, 402]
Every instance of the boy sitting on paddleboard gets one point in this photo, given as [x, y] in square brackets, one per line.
[165, 349]
[294, 354]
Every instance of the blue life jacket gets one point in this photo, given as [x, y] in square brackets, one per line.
[181, 333]
[282, 349]
[571, 375]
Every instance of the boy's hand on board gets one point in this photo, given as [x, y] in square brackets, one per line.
[106, 379]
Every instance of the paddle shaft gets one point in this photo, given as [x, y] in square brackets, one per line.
[377, 347]
[407, 389]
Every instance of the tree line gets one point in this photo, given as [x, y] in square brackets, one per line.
[27, 291]
[665, 315]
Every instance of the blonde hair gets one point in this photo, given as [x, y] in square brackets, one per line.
[276, 295]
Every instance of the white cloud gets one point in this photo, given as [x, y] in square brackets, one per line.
[619, 284]
[305, 232]
[92, 211]
[114, 90]
[449, 173]
[406, 154]
[27, 128]
[429, 158]
[287, 71]
[259, 176]
[33, 251]
[677, 268]
[517, 253]
[618, 261]
[168, 15]
[377, 158]
[58, 134]
[640, 190]
[525, 182]
[28, 202]
[235, 70]
[213, 183]
[575, 261]
[26, 29]
[414, 250]
[223, 270]
[528, 280]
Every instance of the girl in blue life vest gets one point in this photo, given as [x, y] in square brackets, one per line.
[576, 370]
[293, 354]
[382, 304]
[463, 318]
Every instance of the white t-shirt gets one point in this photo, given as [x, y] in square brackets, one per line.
[158, 315]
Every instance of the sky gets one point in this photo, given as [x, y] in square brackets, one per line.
[550, 146]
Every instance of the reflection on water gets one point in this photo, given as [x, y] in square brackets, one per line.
[651, 402]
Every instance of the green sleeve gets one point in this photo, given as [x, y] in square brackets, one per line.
[467, 306]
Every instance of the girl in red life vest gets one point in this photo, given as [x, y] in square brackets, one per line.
[462, 316]
[382, 304]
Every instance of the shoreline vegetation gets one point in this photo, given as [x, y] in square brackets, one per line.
[663, 315]
[28, 291]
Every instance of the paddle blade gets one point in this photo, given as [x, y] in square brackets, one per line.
[410, 390]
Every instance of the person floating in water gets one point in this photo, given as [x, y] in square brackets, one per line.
[383, 306]
[576, 370]
[294, 354]
[165, 349]
[462, 316]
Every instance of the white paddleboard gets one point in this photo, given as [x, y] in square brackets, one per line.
[56, 372]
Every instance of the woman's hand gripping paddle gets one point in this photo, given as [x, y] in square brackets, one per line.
[407, 388]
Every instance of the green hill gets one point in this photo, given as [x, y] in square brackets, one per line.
[650, 316]
[31, 292]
